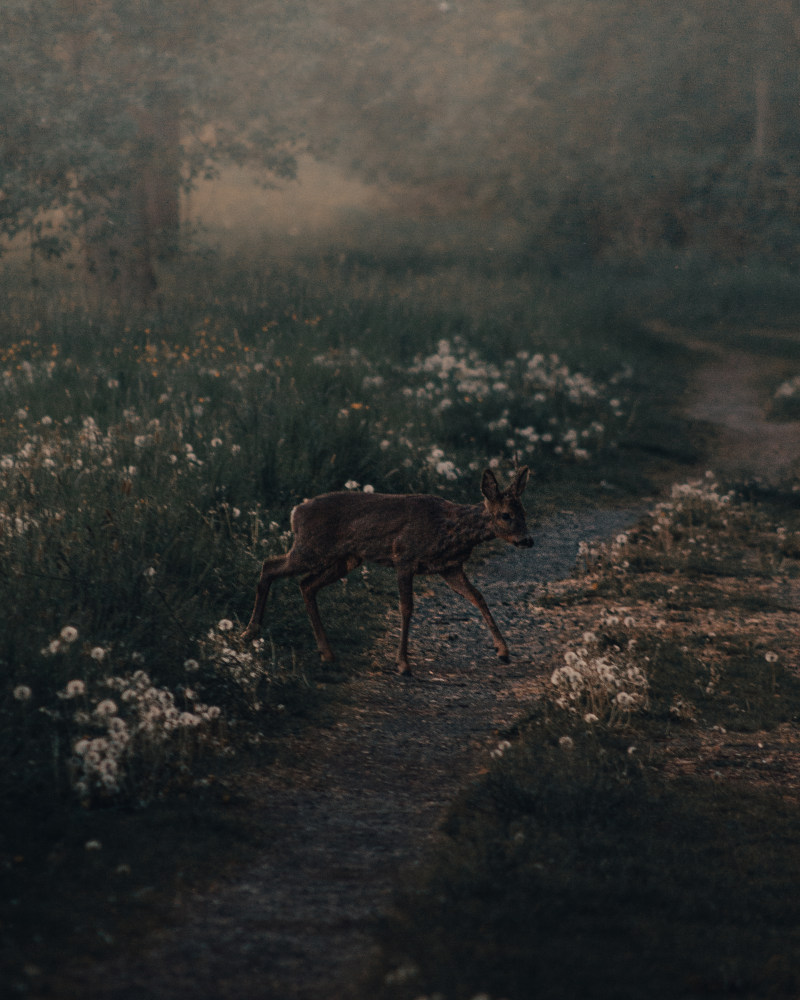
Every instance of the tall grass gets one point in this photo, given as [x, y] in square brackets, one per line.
[148, 464]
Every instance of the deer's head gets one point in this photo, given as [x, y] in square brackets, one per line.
[504, 508]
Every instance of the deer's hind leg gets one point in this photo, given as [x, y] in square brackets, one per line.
[310, 584]
[273, 568]
[457, 580]
[405, 586]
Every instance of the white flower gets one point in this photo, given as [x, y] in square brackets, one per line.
[351, 484]
[225, 625]
[98, 654]
[590, 718]
[771, 657]
[106, 707]
[69, 633]
[22, 692]
[566, 742]
[191, 665]
[369, 489]
[74, 689]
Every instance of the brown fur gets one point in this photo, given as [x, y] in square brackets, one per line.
[417, 533]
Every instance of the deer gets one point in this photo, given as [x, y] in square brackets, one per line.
[415, 533]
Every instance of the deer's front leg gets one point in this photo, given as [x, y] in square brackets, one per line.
[457, 580]
[309, 586]
[405, 586]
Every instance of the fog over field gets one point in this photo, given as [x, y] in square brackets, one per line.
[255, 251]
[322, 205]
[574, 132]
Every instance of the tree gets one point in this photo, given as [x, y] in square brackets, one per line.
[585, 122]
[113, 105]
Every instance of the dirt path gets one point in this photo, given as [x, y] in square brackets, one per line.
[354, 806]
[728, 391]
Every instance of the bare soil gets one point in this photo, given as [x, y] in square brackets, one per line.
[353, 807]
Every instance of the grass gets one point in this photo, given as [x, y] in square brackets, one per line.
[631, 838]
[148, 463]
[577, 874]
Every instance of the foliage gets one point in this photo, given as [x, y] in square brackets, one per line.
[575, 872]
[580, 128]
[146, 466]
[594, 858]
[110, 109]
[146, 469]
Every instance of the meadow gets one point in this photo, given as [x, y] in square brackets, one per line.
[149, 462]
[146, 469]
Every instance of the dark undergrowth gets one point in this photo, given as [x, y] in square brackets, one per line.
[577, 867]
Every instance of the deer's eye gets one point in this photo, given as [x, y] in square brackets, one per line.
[505, 516]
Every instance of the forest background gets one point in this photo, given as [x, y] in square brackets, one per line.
[255, 250]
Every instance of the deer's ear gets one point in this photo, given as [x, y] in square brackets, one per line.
[519, 482]
[489, 486]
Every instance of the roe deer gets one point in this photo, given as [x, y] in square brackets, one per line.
[416, 533]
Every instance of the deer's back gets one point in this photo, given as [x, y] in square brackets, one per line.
[426, 532]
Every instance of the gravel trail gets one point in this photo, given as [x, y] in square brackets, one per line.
[353, 806]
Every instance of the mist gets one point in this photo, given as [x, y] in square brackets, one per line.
[415, 256]
[567, 133]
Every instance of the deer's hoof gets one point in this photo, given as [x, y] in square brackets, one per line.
[249, 633]
[503, 656]
[403, 669]
[326, 656]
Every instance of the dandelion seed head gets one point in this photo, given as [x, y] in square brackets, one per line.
[75, 689]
